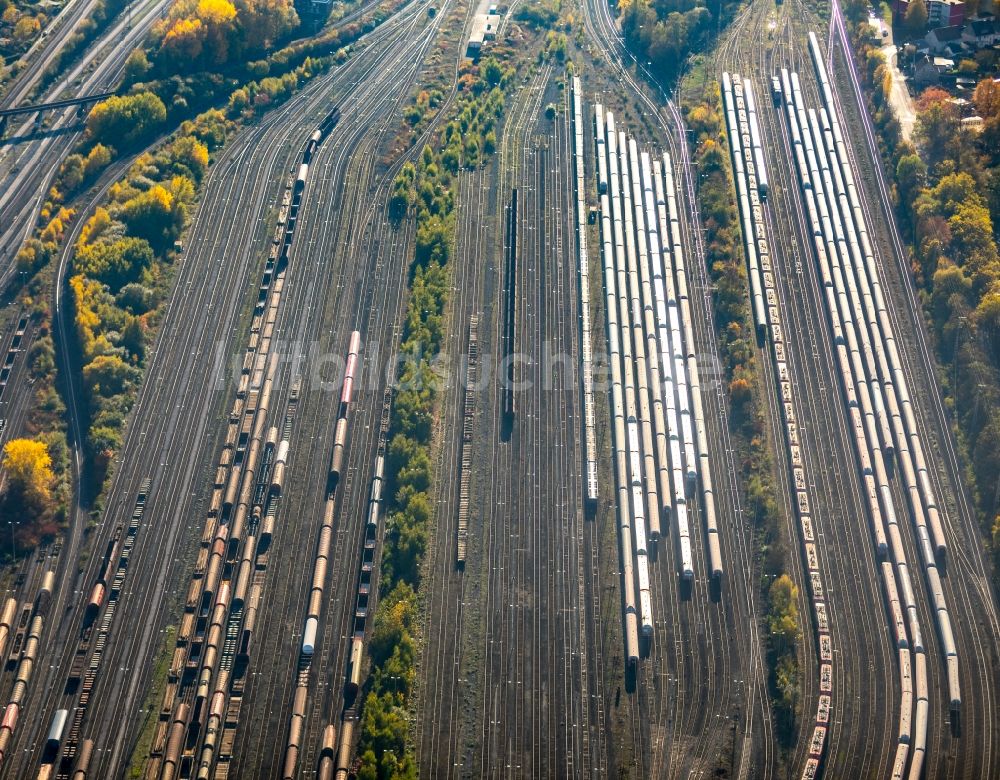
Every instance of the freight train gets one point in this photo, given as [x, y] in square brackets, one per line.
[223, 599]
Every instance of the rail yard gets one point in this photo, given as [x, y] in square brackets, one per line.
[437, 464]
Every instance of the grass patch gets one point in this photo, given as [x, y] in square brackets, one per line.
[137, 762]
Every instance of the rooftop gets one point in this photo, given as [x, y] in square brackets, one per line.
[981, 27]
[946, 34]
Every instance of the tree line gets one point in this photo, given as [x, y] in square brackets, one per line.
[121, 268]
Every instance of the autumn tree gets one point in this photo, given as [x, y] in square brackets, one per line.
[26, 28]
[972, 244]
[938, 126]
[783, 620]
[109, 375]
[207, 33]
[135, 298]
[987, 99]
[911, 173]
[189, 157]
[394, 623]
[32, 256]
[87, 295]
[183, 43]
[71, 173]
[155, 215]
[915, 18]
[136, 66]
[98, 158]
[29, 468]
[126, 119]
[264, 21]
[115, 263]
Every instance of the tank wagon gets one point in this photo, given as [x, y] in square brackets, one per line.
[300, 180]
[99, 589]
[82, 767]
[344, 748]
[321, 559]
[330, 763]
[315, 139]
[28, 658]
[327, 754]
[7, 622]
[340, 427]
[215, 637]
[310, 631]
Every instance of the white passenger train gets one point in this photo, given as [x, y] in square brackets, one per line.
[876, 394]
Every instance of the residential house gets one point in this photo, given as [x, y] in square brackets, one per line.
[944, 40]
[981, 33]
[927, 71]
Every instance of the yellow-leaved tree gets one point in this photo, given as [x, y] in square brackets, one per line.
[29, 468]
[784, 618]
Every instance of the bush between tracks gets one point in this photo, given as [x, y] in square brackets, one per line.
[426, 190]
[724, 256]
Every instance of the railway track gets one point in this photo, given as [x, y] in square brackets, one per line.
[29, 164]
[521, 650]
[209, 305]
[851, 580]
[446, 684]
[873, 746]
[440, 693]
[964, 580]
[16, 388]
[741, 695]
[375, 310]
